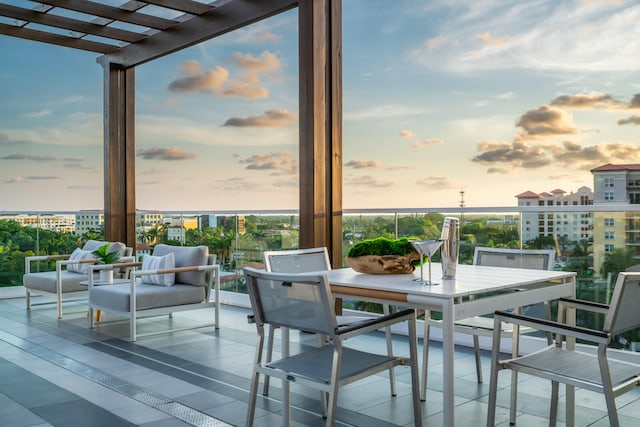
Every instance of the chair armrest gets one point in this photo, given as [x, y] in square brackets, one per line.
[550, 326]
[375, 323]
[28, 260]
[595, 307]
[139, 273]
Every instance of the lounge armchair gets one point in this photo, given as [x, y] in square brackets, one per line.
[174, 278]
[71, 269]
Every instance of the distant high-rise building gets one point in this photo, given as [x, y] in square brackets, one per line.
[89, 220]
[616, 185]
[574, 226]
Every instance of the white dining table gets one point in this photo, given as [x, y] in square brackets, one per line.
[490, 289]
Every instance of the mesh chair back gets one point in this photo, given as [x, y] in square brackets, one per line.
[296, 301]
[623, 310]
[297, 261]
[535, 259]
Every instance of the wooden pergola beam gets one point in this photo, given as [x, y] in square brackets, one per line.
[320, 97]
[119, 155]
[221, 20]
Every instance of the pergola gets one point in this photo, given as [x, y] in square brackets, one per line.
[136, 32]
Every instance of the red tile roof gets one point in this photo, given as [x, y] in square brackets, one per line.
[527, 195]
[611, 167]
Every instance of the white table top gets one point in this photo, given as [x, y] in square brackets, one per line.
[470, 279]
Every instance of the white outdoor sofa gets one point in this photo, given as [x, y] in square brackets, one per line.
[64, 281]
[196, 273]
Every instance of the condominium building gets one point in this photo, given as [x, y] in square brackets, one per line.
[572, 226]
[616, 185]
[89, 221]
[54, 222]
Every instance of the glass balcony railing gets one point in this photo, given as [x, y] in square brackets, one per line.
[595, 243]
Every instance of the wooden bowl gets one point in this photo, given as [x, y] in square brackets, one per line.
[383, 264]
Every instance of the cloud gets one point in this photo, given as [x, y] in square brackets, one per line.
[244, 90]
[635, 101]
[488, 39]
[237, 185]
[267, 36]
[385, 112]
[434, 44]
[171, 153]
[248, 86]
[363, 164]
[516, 154]
[583, 101]
[21, 179]
[195, 80]
[406, 134]
[426, 142]
[545, 121]
[37, 114]
[504, 157]
[369, 181]
[282, 163]
[271, 118]
[28, 157]
[633, 120]
[586, 37]
[436, 183]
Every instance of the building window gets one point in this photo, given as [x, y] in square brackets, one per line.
[608, 222]
[608, 195]
[608, 248]
[608, 235]
[608, 182]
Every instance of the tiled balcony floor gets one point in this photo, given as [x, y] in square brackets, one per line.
[63, 374]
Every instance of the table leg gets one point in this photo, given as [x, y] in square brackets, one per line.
[98, 315]
[448, 356]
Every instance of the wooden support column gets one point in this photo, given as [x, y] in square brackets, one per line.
[119, 154]
[320, 32]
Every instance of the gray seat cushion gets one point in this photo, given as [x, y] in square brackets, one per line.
[46, 281]
[116, 297]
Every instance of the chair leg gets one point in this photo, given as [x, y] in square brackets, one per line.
[132, 326]
[270, 339]
[387, 333]
[28, 299]
[334, 384]
[553, 411]
[59, 304]
[476, 350]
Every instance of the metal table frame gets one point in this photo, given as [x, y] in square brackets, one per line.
[490, 289]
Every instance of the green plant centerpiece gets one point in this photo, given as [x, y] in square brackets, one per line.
[383, 256]
[103, 256]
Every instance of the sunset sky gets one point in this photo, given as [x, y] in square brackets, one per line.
[490, 96]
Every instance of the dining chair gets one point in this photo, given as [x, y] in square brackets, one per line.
[537, 259]
[304, 302]
[560, 362]
[306, 261]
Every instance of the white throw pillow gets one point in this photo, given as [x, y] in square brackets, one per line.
[77, 255]
[150, 262]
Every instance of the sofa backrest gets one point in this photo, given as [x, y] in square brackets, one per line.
[186, 256]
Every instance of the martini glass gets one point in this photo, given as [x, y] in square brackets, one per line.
[426, 248]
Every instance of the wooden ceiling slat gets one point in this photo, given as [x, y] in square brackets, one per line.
[115, 13]
[57, 39]
[223, 19]
[69, 24]
[187, 6]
